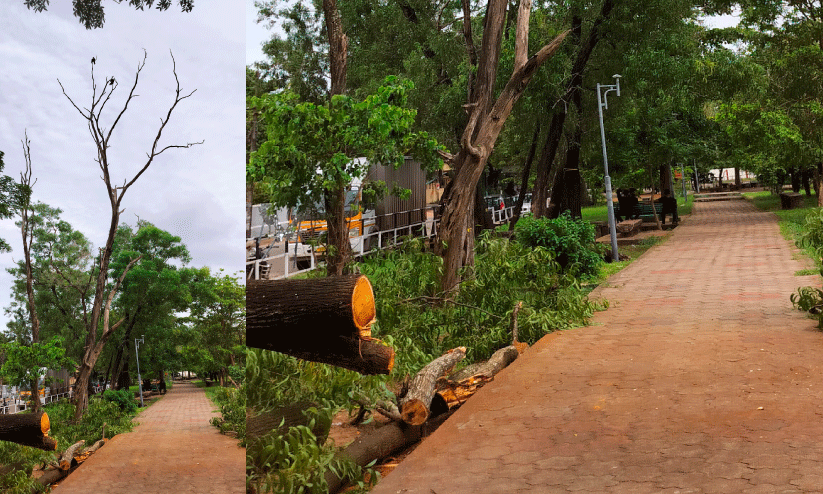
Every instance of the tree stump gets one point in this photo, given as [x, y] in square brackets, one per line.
[324, 320]
[28, 429]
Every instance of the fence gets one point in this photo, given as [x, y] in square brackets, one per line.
[420, 224]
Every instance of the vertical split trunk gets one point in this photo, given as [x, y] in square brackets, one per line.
[524, 178]
[483, 129]
[573, 89]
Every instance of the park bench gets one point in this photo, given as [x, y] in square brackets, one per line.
[644, 211]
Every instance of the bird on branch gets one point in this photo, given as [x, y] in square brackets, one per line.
[111, 81]
[93, 59]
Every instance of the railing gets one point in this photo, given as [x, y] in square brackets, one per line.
[14, 404]
[362, 245]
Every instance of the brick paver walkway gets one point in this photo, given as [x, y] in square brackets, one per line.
[173, 450]
[700, 378]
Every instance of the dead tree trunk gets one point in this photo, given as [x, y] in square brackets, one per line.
[322, 320]
[415, 406]
[28, 429]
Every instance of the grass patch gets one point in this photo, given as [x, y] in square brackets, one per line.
[632, 252]
[806, 272]
[600, 213]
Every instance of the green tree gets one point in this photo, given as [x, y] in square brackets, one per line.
[313, 152]
[152, 294]
[91, 13]
[216, 331]
[26, 364]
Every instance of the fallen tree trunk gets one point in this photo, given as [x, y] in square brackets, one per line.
[282, 419]
[464, 383]
[324, 320]
[51, 476]
[380, 443]
[67, 458]
[28, 429]
[94, 447]
[414, 407]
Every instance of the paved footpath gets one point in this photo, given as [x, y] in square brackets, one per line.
[173, 450]
[699, 378]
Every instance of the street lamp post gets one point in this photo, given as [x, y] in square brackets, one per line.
[602, 103]
[139, 379]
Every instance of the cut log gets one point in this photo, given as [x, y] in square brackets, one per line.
[67, 458]
[488, 369]
[464, 383]
[338, 305]
[324, 320]
[28, 429]
[414, 407]
[282, 419]
[380, 443]
[94, 447]
[51, 476]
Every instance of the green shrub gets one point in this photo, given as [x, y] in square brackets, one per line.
[232, 403]
[122, 398]
[572, 241]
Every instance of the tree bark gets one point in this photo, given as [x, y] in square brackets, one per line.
[382, 442]
[482, 130]
[323, 320]
[28, 429]
[524, 178]
[66, 460]
[415, 406]
[573, 87]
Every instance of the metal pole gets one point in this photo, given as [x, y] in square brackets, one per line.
[696, 178]
[139, 379]
[609, 204]
[683, 174]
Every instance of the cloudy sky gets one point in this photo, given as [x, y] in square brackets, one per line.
[197, 193]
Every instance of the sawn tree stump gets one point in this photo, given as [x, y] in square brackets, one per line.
[28, 429]
[324, 320]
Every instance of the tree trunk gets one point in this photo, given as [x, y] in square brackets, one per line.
[414, 407]
[323, 320]
[482, 130]
[28, 429]
[573, 89]
[524, 178]
[66, 460]
[380, 443]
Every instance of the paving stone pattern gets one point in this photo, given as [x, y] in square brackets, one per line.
[173, 450]
[699, 378]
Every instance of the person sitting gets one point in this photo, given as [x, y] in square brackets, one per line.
[161, 386]
[669, 206]
[627, 201]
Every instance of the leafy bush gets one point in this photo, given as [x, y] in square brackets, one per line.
[572, 242]
[413, 318]
[90, 429]
[122, 398]
[232, 403]
[810, 299]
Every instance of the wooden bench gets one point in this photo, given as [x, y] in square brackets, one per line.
[791, 200]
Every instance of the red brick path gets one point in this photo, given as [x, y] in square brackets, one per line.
[700, 378]
[173, 450]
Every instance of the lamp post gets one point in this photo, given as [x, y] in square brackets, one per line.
[602, 103]
[139, 379]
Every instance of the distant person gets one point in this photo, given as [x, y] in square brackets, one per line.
[627, 201]
[669, 206]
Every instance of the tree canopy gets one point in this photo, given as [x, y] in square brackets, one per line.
[91, 13]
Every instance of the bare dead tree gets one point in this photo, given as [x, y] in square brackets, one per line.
[103, 296]
[27, 232]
